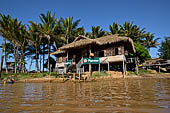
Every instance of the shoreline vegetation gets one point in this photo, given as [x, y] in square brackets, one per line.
[96, 76]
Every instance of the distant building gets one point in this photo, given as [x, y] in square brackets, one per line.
[157, 64]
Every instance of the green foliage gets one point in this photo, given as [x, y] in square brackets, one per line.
[149, 41]
[99, 74]
[141, 52]
[140, 72]
[164, 50]
[70, 28]
[96, 32]
[26, 75]
[114, 28]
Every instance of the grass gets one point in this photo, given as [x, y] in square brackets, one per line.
[99, 74]
[141, 72]
[17, 76]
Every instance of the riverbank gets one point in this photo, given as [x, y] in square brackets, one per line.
[46, 77]
[111, 77]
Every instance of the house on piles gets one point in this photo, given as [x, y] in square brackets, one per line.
[107, 53]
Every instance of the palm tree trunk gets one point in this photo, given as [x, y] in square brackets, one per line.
[37, 66]
[2, 59]
[43, 55]
[40, 62]
[48, 52]
[48, 56]
[22, 60]
[15, 59]
[5, 56]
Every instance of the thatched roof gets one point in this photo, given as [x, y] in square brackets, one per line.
[82, 41]
[77, 43]
[58, 52]
[110, 39]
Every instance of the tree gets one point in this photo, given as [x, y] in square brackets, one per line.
[47, 28]
[70, 28]
[4, 32]
[114, 28]
[34, 37]
[149, 41]
[141, 52]
[164, 50]
[96, 32]
[133, 31]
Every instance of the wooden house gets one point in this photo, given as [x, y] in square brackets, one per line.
[104, 53]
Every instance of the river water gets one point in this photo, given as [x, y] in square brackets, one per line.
[114, 96]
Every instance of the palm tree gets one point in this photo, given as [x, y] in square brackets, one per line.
[132, 31]
[47, 28]
[96, 32]
[149, 41]
[69, 27]
[22, 40]
[34, 38]
[14, 28]
[4, 32]
[114, 28]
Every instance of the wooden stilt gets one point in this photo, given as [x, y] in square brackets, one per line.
[79, 75]
[108, 66]
[123, 68]
[137, 66]
[99, 67]
[90, 69]
[83, 69]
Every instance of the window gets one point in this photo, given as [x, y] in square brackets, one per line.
[101, 53]
[116, 51]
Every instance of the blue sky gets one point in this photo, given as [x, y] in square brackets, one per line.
[151, 14]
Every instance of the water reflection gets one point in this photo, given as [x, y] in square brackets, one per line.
[117, 96]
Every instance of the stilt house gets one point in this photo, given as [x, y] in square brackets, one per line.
[107, 53]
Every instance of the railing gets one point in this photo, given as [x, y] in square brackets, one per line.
[79, 64]
[80, 70]
[131, 60]
[60, 71]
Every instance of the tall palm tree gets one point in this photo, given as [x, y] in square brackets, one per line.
[14, 28]
[149, 41]
[4, 32]
[96, 32]
[133, 31]
[47, 28]
[69, 27]
[114, 28]
[35, 39]
[22, 40]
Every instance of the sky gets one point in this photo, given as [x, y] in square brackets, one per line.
[150, 14]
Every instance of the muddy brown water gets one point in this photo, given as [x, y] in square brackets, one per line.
[113, 96]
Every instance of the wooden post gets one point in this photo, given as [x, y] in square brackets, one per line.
[90, 70]
[159, 68]
[123, 69]
[67, 55]
[99, 67]
[108, 67]
[79, 75]
[83, 69]
[137, 70]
